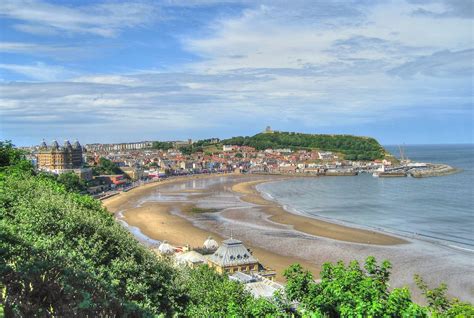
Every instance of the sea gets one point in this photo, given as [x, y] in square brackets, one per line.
[438, 209]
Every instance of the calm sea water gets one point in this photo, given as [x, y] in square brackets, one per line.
[438, 208]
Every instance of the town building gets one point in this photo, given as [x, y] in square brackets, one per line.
[55, 158]
[120, 146]
[232, 256]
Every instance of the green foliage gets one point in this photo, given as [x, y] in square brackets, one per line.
[62, 254]
[190, 149]
[187, 150]
[163, 145]
[440, 305]
[206, 142]
[214, 295]
[106, 167]
[298, 282]
[353, 147]
[9, 155]
[72, 182]
[350, 291]
[69, 180]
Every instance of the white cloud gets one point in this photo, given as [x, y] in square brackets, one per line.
[106, 79]
[444, 64]
[105, 20]
[271, 36]
[39, 71]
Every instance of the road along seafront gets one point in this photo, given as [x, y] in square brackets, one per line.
[188, 210]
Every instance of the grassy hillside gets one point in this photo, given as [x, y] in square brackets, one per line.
[353, 147]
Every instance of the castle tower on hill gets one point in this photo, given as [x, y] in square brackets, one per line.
[55, 157]
[268, 130]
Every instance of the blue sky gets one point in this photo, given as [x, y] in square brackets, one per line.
[401, 71]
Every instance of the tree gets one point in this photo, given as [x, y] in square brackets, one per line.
[440, 305]
[72, 182]
[9, 155]
[186, 150]
[214, 295]
[298, 282]
[105, 166]
[62, 254]
[348, 291]
[353, 147]
[163, 145]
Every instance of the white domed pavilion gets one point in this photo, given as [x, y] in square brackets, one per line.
[165, 248]
[210, 244]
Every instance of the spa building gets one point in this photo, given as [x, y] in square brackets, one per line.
[232, 256]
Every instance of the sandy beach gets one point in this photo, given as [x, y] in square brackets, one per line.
[156, 221]
[162, 211]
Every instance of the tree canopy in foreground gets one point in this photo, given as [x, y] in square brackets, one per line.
[63, 255]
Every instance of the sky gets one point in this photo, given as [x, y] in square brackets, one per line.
[114, 71]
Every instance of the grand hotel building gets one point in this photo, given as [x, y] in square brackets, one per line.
[56, 158]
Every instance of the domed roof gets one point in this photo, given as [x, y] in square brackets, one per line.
[76, 144]
[54, 144]
[210, 244]
[67, 144]
[43, 144]
[232, 252]
[165, 248]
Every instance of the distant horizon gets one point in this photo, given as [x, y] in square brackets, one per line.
[399, 71]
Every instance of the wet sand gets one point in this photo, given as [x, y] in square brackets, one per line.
[277, 237]
[156, 221]
[310, 225]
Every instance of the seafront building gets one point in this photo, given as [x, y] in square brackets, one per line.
[232, 258]
[56, 158]
[120, 146]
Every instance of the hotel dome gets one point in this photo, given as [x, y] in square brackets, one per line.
[55, 145]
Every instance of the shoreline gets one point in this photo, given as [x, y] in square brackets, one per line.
[164, 211]
[313, 226]
[160, 221]
[121, 197]
[248, 193]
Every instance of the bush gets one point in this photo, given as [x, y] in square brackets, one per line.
[62, 254]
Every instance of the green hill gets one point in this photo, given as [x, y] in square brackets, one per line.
[352, 147]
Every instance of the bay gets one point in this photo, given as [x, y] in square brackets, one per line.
[437, 208]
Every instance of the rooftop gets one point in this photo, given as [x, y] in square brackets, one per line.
[232, 252]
